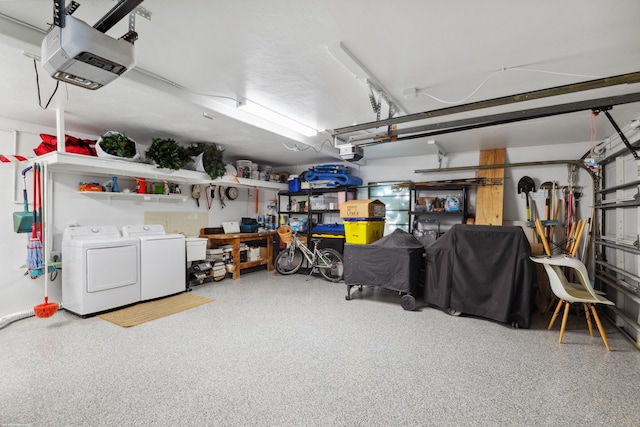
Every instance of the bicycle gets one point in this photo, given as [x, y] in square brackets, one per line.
[327, 261]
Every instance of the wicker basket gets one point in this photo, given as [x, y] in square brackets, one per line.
[285, 232]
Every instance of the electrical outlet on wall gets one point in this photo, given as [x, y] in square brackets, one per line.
[56, 256]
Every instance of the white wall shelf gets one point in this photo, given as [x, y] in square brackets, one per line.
[135, 196]
[88, 165]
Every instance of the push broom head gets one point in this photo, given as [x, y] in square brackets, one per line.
[46, 309]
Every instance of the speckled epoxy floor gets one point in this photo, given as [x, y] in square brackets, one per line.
[274, 350]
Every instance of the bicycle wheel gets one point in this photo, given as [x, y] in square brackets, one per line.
[289, 261]
[330, 264]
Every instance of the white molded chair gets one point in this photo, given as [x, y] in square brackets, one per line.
[569, 293]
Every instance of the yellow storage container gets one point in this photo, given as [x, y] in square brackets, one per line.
[363, 232]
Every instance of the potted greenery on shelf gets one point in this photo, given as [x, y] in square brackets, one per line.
[211, 158]
[167, 153]
[116, 145]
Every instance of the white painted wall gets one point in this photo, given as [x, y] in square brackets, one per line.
[403, 169]
[514, 203]
[19, 293]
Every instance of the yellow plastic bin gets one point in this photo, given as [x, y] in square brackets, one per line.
[363, 231]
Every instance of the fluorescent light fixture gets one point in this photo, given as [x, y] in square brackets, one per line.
[274, 117]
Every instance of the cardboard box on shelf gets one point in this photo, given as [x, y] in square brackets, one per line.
[254, 254]
[263, 252]
[367, 208]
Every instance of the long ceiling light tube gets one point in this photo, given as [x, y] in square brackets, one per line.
[274, 117]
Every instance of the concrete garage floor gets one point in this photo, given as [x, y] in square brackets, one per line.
[275, 350]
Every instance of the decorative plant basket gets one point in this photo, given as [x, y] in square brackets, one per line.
[116, 145]
[167, 153]
[207, 158]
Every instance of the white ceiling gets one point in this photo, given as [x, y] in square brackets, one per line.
[201, 56]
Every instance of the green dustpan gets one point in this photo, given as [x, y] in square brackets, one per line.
[22, 221]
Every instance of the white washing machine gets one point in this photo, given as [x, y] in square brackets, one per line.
[162, 260]
[100, 271]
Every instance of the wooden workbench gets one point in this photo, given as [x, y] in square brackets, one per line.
[217, 240]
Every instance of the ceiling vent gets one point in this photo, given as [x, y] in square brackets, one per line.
[84, 56]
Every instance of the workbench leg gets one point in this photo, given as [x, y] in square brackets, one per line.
[269, 253]
[236, 259]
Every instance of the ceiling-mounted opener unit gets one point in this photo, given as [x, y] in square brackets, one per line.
[76, 53]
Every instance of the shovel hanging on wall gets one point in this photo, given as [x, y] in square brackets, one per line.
[526, 185]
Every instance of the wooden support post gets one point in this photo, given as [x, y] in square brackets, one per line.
[490, 198]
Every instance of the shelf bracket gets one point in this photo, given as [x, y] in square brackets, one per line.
[441, 157]
[441, 153]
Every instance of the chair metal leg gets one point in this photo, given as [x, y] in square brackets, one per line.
[600, 328]
[567, 306]
[555, 314]
[588, 316]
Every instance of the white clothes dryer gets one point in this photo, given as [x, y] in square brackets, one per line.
[100, 269]
[162, 260]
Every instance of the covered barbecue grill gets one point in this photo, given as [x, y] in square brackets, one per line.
[483, 271]
[392, 262]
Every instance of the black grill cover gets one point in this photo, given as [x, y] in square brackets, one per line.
[392, 262]
[483, 271]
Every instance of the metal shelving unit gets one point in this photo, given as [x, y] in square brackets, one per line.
[444, 217]
[310, 213]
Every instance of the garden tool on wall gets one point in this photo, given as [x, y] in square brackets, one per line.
[577, 194]
[195, 193]
[549, 187]
[210, 193]
[527, 185]
[570, 200]
[556, 212]
[534, 216]
[221, 197]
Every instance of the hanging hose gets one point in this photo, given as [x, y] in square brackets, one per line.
[10, 318]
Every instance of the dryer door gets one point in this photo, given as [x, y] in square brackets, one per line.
[112, 267]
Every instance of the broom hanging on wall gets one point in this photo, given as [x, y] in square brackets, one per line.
[46, 309]
[34, 246]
